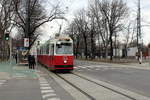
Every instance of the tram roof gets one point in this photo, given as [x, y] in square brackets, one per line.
[58, 38]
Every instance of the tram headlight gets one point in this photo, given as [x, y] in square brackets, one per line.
[65, 62]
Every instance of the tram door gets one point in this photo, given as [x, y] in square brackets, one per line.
[51, 54]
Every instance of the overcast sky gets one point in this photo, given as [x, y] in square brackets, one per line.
[75, 5]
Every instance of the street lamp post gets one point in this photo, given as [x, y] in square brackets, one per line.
[10, 46]
[139, 33]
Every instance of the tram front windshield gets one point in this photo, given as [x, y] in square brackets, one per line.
[64, 48]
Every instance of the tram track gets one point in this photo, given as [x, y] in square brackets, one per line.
[104, 86]
[70, 80]
[87, 94]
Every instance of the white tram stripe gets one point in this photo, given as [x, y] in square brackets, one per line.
[53, 99]
[47, 91]
[48, 95]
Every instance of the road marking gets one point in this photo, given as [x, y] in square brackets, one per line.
[83, 67]
[42, 80]
[45, 88]
[47, 91]
[77, 67]
[53, 99]
[89, 69]
[44, 84]
[80, 70]
[48, 95]
[2, 80]
[1, 83]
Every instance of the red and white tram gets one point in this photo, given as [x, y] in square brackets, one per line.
[57, 53]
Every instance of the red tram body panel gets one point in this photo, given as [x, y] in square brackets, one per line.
[57, 54]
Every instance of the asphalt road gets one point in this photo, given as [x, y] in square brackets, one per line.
[136, 80]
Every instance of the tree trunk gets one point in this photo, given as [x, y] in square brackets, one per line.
[85, 43]
[99, 53]
[106, 52]
[92, 46]
[111, 48]
[77, 48]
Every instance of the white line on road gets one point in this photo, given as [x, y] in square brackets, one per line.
[2, 80]
[42, 80]
[48, 95]
[47, 91]
[53, 99]
[44, 84]
[45, 88]
[82, 67]
[1, 83]
[89, 69]
[80, 70]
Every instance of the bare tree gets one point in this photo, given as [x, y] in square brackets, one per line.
[31, 15]
[92, 33]
[82, 25]
[6, 16]
[75, 35]
[94, 9]
[100, 25]
[129, 35]
[113, 12]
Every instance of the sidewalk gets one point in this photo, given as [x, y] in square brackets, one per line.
[117, 60]
[144, 65]
[20, 83]
[11, 70]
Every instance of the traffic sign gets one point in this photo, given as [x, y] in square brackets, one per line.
[26, 42]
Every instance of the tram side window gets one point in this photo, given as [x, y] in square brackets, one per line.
[44, 50]
[40, 51]
[47, 49]
[52, 49]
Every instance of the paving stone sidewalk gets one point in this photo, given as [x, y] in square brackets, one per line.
[12, 70]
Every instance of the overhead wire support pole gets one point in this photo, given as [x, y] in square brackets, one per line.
[138, 24]
[27, 26]
[10, 48]
[139, 32]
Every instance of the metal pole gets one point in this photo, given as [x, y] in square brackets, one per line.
[10, 46]
[139, 31]
[36, 56]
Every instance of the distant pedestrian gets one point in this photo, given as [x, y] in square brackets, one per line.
[140, 58]
[29, 61]
[32, 62]
[16, 57]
